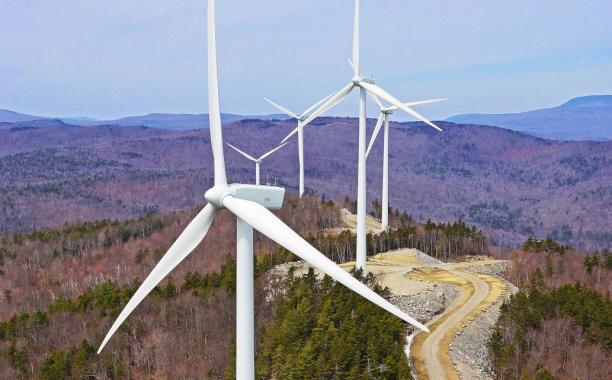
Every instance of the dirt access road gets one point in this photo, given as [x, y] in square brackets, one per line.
[408, 271]
[430, 354]
[350, 223]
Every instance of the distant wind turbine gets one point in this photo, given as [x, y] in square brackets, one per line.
[383, 119]
[365, 85]
[256, 160]
[300, 132]
[251, 205]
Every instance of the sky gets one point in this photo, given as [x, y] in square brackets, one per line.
[113, 58]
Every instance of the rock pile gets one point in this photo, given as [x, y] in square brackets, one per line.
[424, 258]
[492, 269]
[468, 349]
[426, 304]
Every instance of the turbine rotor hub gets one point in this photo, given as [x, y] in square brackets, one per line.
[215, 195]
[271, 197]
[361, 79]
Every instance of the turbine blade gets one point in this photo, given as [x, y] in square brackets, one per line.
[311, 108]
[352, 66]
[214, 110]
[417, 103]
[268, 224]
[282, 109]
[356, 39]
[328, 104]
[272, 151]
[182, 247]
[376, 100]
[379, 124]
[241, 152]
[391, 99]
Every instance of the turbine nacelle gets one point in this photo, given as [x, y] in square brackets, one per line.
[270, 197]
[363, 79]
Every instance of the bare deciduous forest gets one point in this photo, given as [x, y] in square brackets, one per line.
[86, 212]
[62, 287]
[508, 184]
[559, 324]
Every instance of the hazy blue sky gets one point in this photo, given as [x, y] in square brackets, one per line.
[114, 58]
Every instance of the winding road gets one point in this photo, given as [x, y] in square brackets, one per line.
[435, 346]
[408, 272]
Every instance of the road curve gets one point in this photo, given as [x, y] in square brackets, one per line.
[434, 352]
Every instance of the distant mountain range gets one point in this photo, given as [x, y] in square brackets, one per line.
[154, 120]
[7, 116]
[511, 184]
[583, 118]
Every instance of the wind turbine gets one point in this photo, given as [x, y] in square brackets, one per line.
[364, 85]
[256, 160]
[251, 205]
[383, 119]
[300, 132]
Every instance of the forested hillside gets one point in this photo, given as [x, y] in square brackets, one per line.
[321, 330]
[559, 325]
[62, 288]
[508, 184]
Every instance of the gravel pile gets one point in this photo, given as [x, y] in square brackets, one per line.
[468, 349]
[424, 305]
[493, 269]
[424, 258]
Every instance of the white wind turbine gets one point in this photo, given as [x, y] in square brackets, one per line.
[383, 119]
[256, 160]
[250, 204]
[300, 131]
[364, 85]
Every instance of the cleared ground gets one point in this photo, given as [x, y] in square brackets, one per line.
[407, 272]
[350, 223]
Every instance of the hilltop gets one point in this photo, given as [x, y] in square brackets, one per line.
[63, 287]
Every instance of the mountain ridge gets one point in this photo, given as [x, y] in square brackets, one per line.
[154, 120]
[581, 118]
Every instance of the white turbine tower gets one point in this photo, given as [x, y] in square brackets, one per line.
[383, 119]
[364, 85]
[256, 160]
[250, 204]
[300, 132]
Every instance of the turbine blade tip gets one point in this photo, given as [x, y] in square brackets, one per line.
[102, 346]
